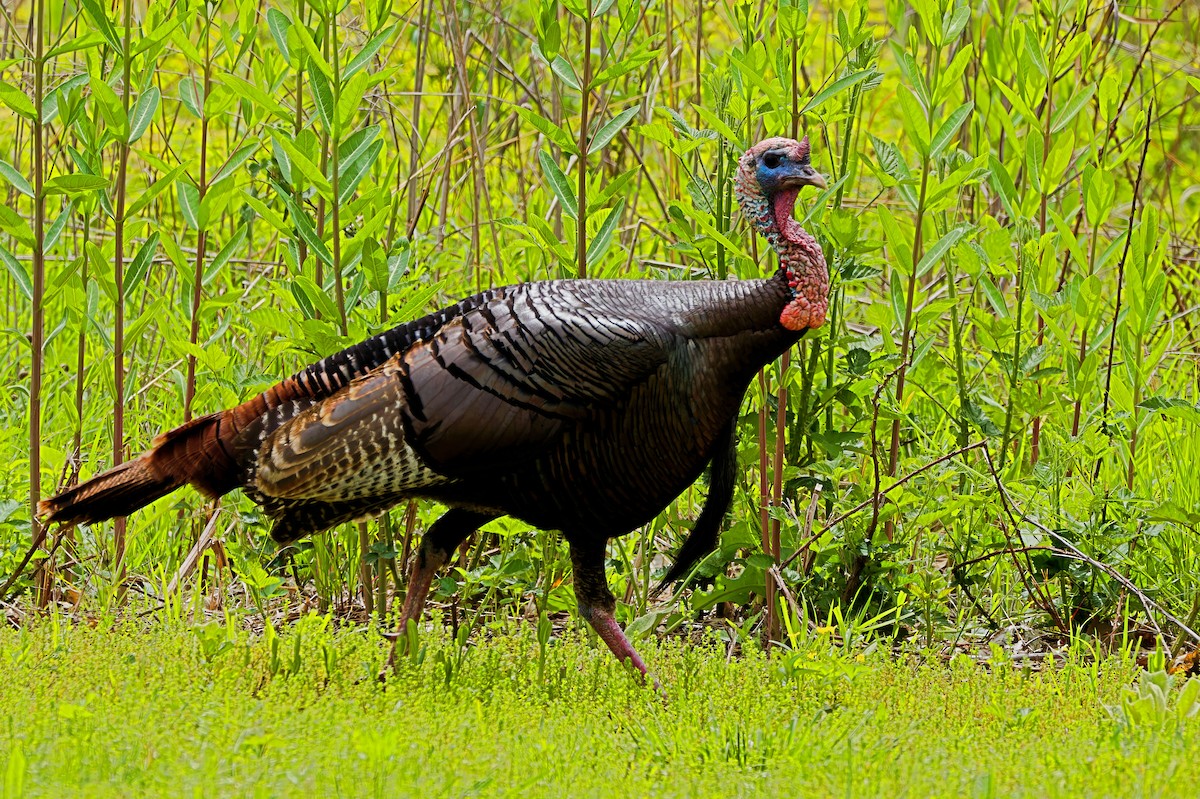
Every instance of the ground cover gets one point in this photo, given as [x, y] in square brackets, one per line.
[169, 709]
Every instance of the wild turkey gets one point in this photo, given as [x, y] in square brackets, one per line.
[584, 406]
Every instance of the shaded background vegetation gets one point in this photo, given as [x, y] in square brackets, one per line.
[204, 197]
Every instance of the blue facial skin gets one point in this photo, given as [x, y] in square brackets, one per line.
[777, 171]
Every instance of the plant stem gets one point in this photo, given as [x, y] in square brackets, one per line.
[906, 336]
[339, 291]
[39, 289]
[119, 279]
[581, 241]
[189, 393]
[1014, 378]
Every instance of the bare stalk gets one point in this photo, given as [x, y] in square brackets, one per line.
[581, 241]
[39, 288]
[189, 393]
[119, 279]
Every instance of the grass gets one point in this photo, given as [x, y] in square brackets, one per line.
[164, 709]
[1012, 234]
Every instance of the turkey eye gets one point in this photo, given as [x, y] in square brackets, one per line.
[771, 160]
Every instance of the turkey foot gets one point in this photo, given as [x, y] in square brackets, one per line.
[437, 545]
[596, 602]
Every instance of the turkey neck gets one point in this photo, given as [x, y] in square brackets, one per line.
[800, 256]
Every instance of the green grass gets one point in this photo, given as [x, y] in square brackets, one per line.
[139, 710]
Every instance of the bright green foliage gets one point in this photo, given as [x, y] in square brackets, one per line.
[168, 711]
[1011, 225]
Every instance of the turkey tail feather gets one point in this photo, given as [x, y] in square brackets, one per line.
[192, 453]
[117, 492]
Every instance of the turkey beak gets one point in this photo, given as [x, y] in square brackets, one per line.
[804, 176]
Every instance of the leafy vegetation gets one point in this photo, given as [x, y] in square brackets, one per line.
[995, 432]
[168, 710]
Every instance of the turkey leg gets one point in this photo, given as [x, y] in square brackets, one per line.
[596, 602]
[437, 545]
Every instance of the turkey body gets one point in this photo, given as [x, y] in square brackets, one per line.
[579, 405]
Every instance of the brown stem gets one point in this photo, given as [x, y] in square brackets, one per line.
[39, 287]
[581, 242]
[1112, 338]
[906, 337]
[781, 403]
[189, 393]
[119, 279]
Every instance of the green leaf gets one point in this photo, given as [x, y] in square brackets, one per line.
[916, 124]
[16, 225]
[837, 87]
[140, 265]
[949, 129]
[1002, 182]
[305, 227]
[352, 174]
[552, 132]
[76, 183]
[143, 113]
[565, 72]
[100, 20]
[419, 299]
[367, 53]
[56, 227]
[1034, 48]
[1066, 112]
[1173, 406]
[111, 108]
[223, 256]
[191, 94]
[954, 22]
[599, 245]
[158, 187]
[84, 42]
[714, 122]
[18, 182]
[937, 251]
[16, 99]
[374, 266]
[260, 208]
[355, 145]
[979, 420]
[607, 133]
[301, 162]
[252, 93]
[189, 203]
[1035, 156]
[994, 296]
[17, 270]
[323, 95]
[352, 94]
[899, 245]
[755, 76]
[623, 67]
[312, 51]
[278, 23]
[704, 222]
[317, 298]
[234, 162]
[559, 184]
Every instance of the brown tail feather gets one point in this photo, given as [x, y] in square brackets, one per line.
[117, 492]
[192, 454]
[209, 451]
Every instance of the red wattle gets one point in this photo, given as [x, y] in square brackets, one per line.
[785, 203]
